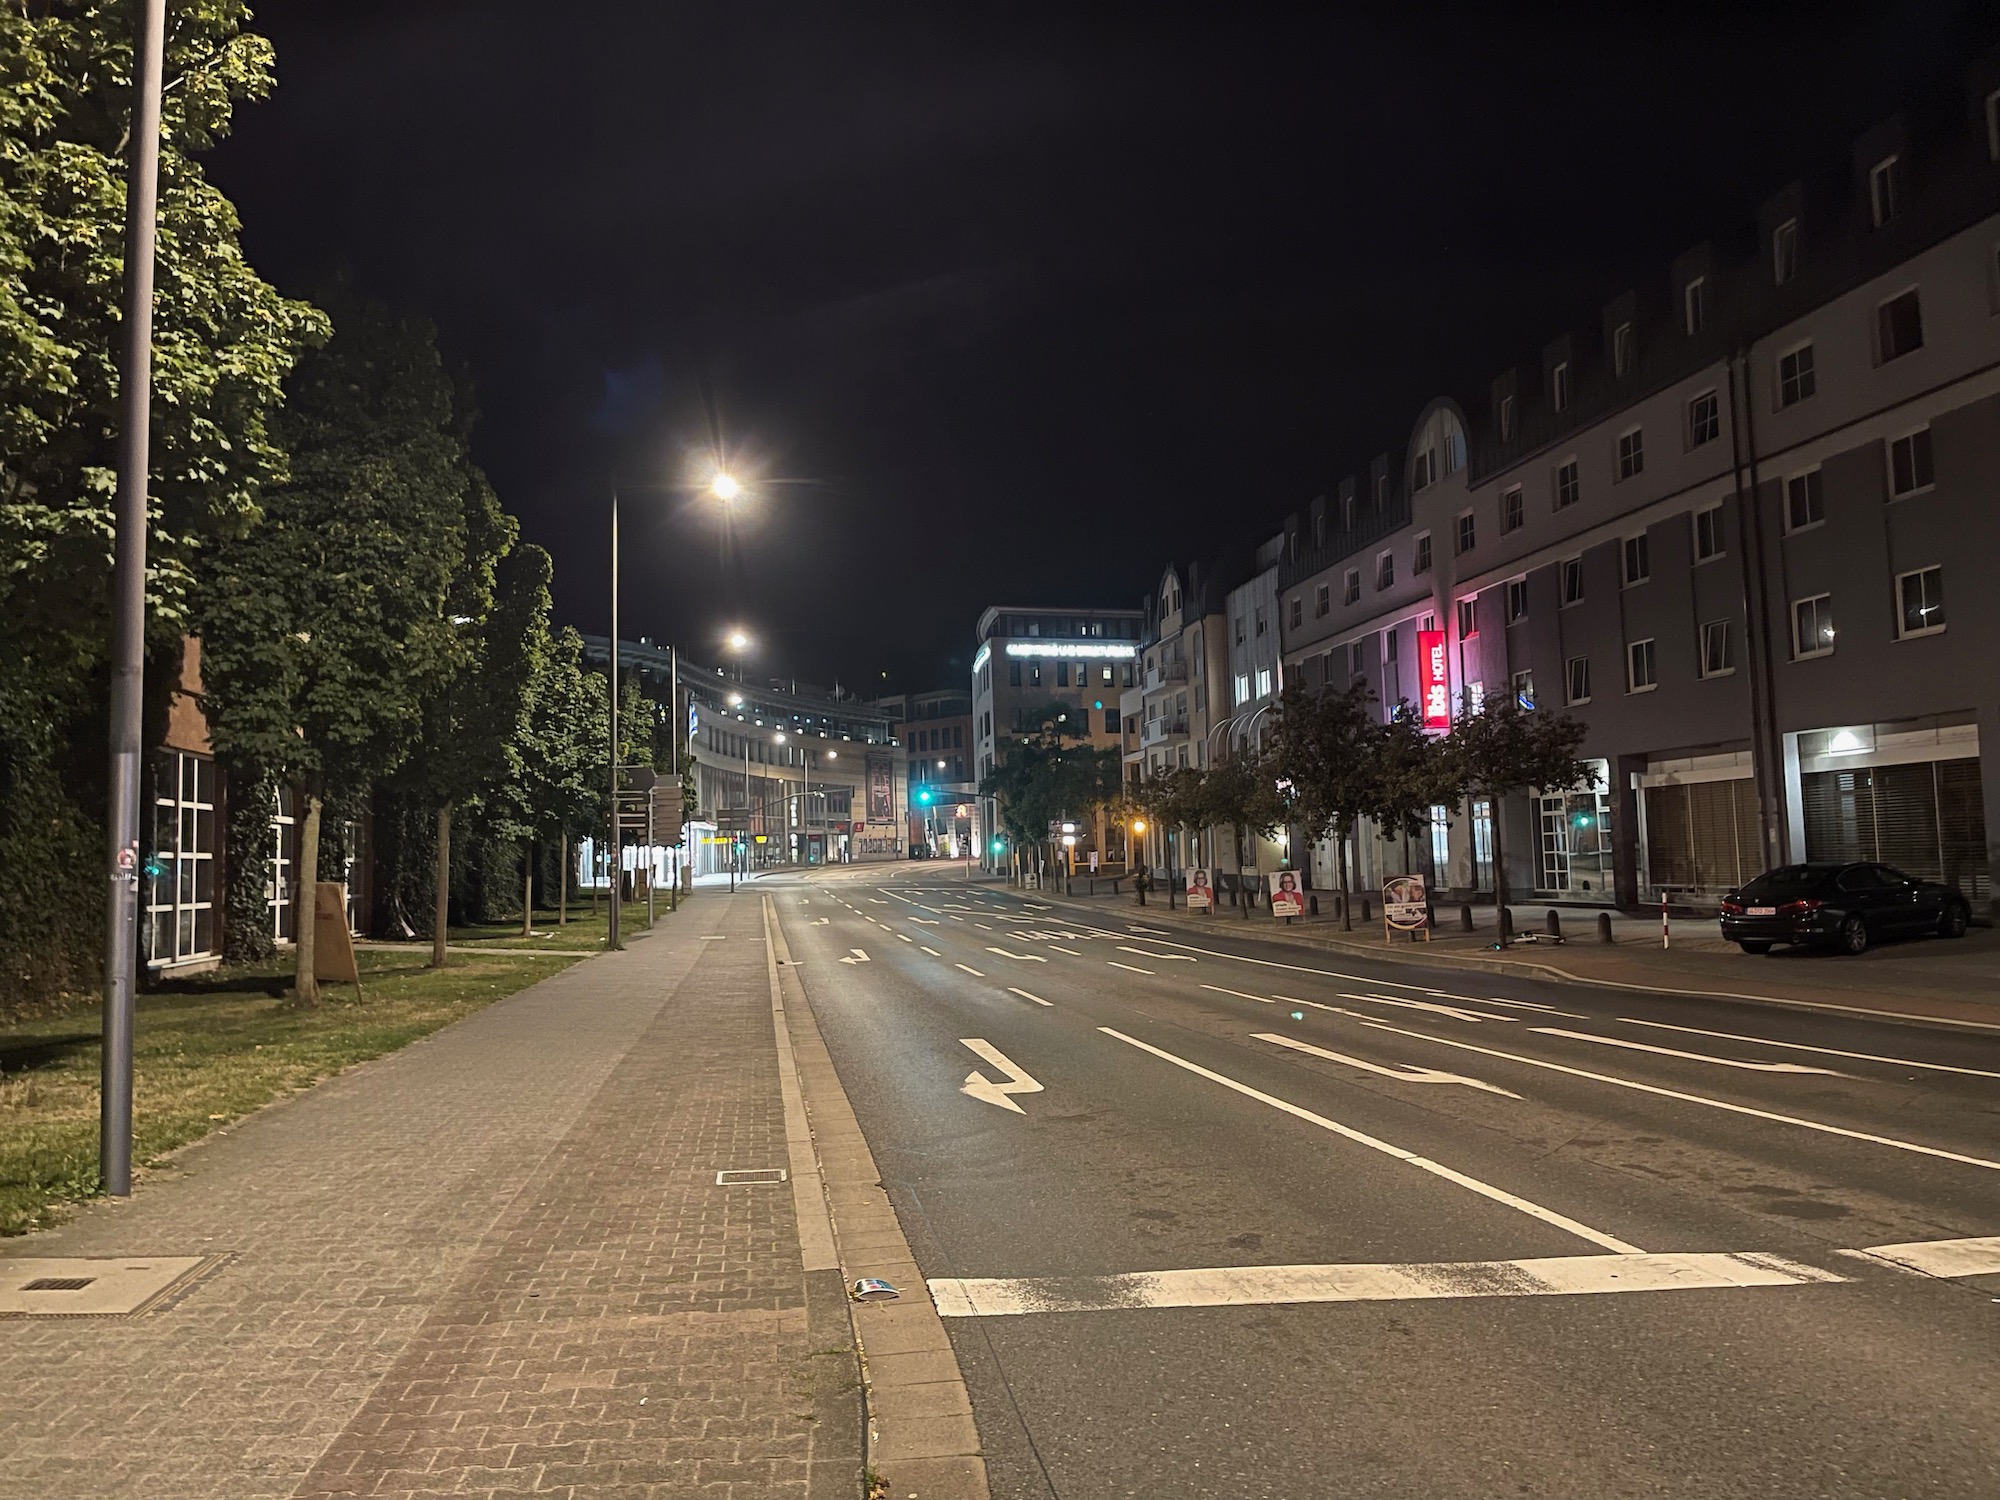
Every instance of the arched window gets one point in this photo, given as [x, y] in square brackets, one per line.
[1439, 449]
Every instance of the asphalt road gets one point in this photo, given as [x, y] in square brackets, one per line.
[1440, 1235]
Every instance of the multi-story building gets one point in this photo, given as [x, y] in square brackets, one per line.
[1027, 658]
[935, 732]
[1736, 528]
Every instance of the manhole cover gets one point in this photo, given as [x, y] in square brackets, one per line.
[761, 1174]
[84, 1286]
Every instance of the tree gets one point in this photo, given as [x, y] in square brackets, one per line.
[1328, 750]
[1176, 799]
[326, 625]
[562, 751]
[1240, 791]
[1415, 772]
[1046, 771]
[1504, 749]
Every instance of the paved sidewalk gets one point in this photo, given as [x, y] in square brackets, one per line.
[494, 1263]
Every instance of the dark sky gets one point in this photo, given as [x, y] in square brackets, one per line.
[1004, 304]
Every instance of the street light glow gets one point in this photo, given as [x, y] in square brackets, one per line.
[738, 641]
[724, 487]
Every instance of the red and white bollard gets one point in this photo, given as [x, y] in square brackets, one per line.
[1666, 938]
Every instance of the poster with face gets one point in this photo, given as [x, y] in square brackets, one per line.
[1403, 905]
[1200, 893]
[881, 789]
[1287, 899]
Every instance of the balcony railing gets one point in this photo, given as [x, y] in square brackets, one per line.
[1159, 731]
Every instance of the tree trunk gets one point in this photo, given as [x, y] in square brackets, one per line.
[562, 886]
[441, 911]
[1340, 841]
[1499, 875]
[528, 892]
[305, 984]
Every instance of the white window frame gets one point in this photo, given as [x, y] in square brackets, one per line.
[1793, 528]
[1242, 690]
[1559, 385]
[1571, 696]
[1883, 189]
[1694, 305]
[1506, 419]
[1902, 632]
[1882, 354]
[1385, 569]
[1517, 599]
[1322, 600]
[1778, 369]
[1694, 438]
[1422, 554]
[1635, 455]
[1712, 630]
[1524, 689]
[1513, 509]
[1721, 541]
[1263, 682]
[1798, 653]
[1467, 609]
[1785, 252]
[1648, 648]
[1628, 578]
[1298, 612]
[1570, 466]
[1624, 349]
[1464, 533]
[1889, 458]
[1564, 573]
[1350, 587]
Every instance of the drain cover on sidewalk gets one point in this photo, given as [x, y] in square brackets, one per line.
[761, 1174]
[77, 1286]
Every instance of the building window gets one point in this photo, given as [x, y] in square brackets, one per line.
[1242, 692]
[1704, 419]
[1812, 626]
[1805, 501]
[1572, 580]
[1910, 463]
[1716, 657]
[1638, 559]
[1577, 680]
[1506, 419]
[1796, 379]
[1510, 509]
[1347, 512]
[1641, 663]
[1993, 126]
[1524, 690]
[1694, 306]
[1355, 662]
[1468, 618]
[1423, 473]
[1899, 327]
[1921, 595]
[1319, 528]
[1569, 488]
[1013, 680]
[1885, 189]
[1517, 599]
[1420, 559]
[180, 900]
[1631, 454]
[1298, 613]
[1708, 534]
[1385, 570]
[1381, 496]
[1263, 682]
[1559, 385]
[1351, 587]
[1322, 601]
[1785, 251]
[1062, 680]
[1467, 532]
[1623, 347]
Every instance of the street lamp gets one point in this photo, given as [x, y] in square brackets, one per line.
[724, 486]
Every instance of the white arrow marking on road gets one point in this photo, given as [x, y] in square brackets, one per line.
[1726, 1062]
[855, 956]
[1443, 1010]
[1400, 1074]
[1031, 958]
[819, 921]
[983, 1088]
[1181, 958]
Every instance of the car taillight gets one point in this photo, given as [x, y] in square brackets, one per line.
[1733, 908]
[1804, 907]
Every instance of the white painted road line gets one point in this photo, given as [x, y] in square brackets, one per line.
[980, 1087]
[1239, 994]
[1026, 958]
[1702, 1099]
[1178, 958]
[1725, 1062]
[970, 970]
[1026, 996]
[1348, 1132]
[1430, 1005]
[1061, 949]
[906, 937]
[1400, 1074]
[1241, 1286]
[1974, 1257]
[931, 951]
[1765, 1041]
[1128, 968]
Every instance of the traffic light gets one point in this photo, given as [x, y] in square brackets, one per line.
[924, 795]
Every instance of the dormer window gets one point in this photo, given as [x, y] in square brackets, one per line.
[1993, 126]
[1559, 386]
[1622, 349]
[1506, 419]
[1423, 474]
[1694, 306]
[1885, 189]
[1347, 512]
[1785, 251]
[1319, 528]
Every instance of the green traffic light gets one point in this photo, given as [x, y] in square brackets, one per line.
[999, 846]
[924, 794]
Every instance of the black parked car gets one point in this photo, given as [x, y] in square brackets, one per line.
[1839, 906]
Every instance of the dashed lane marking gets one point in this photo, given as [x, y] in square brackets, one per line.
[1765, 1041]
[1026, 996]
[1178, 958]
[1128, 968]
[1026, 958]
[970, 970]
[1399, 1073]
[1430, 1005]
[1724, 1062]
[1239, 994]
[931, 951]
[1061, 949]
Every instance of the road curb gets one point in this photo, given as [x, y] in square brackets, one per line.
[919, 1432]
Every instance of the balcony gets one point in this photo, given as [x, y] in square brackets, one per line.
[1164, 731]
[1168, 671]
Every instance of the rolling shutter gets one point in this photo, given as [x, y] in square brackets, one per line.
[1926, 819]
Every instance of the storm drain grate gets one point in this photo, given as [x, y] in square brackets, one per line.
[741, 1178]
[57, 1283]
[95, 1285]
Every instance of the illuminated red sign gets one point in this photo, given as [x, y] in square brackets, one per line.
[1434, 671]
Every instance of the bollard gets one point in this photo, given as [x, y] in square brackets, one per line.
[1506, 922]
[1312, 903]
[1465, 917]
[1367, 910]
[1604, 927]
[1554, 923]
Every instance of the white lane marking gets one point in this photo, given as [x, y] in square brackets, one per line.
[925, 921]
[1239, 1286]
[1026, 996]
[983, 1088]
[1348, 1132]
[1149, 931]
[855, 956]
[819, 921]
[1239, 994]
[1026, 958]
[1061, 949]
[877, 901]
[1765, 1041]
[1128, 968]
[1539, 1009]
[1400, 1074]
[1179, 958]
[955, 918]
[1724, 1062]
[982, 926]
[970, 970]
[1686, 1098]
[1430, 1005]
[906, 937]
[1316, 1005]
[1973, 1257]
[931, 951]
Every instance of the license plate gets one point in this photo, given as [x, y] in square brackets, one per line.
[1763, 911]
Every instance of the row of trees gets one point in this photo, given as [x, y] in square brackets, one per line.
[1048, 771]
[374, 635]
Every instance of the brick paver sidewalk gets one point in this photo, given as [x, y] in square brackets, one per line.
[494, 1263]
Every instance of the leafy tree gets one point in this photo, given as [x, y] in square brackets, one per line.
[1047, 771]
[1328, 749]
[562, 751]
[1240, 792]
[326, 626]
[1177, 799]
[1415, 772]
[1504, 749]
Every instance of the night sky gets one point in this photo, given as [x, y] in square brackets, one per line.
[1003, 305]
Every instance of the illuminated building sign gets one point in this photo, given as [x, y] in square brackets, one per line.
[1114, 650]
[1433, 669]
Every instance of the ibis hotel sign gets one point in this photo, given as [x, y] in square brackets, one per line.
[1434, 672]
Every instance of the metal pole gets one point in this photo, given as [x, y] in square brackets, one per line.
[680, 802]
[652, 853]
[805, 752]
[128, 593]
[616, 860]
